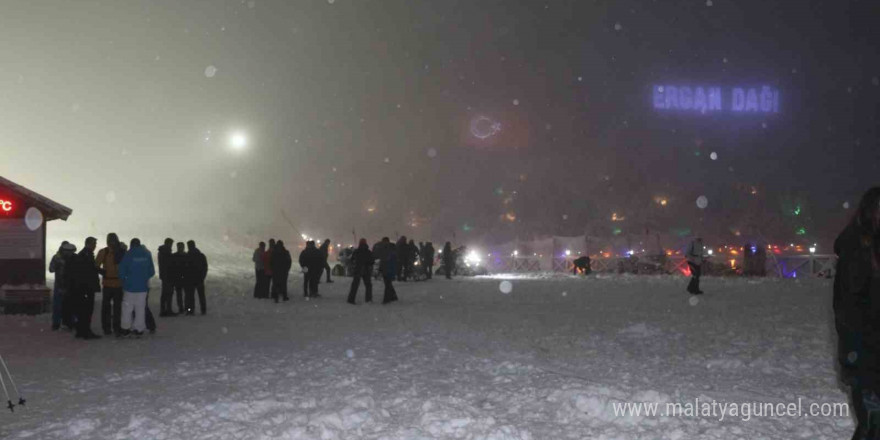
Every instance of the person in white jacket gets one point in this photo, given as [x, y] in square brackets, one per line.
[135, 270]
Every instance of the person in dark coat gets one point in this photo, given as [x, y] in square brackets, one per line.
[281, 263]
[194, 278]
[402, 249]
[59, 291]
[175, 273]
[325, 250]
[83, 282]
[694, 256]
[428, 259]
[856, 304]
[391, 268]
[448, 260]
[259, 270]
[267, 267]
[167, 295]
[312, 261]
[412, 255]
[363, 270]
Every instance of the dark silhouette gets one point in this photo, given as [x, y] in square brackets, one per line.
[325, 249]
[60, 294]
[402, 248]
[194, 278]
[427, 255]
[412, 255]
[448, 260]
[312, 261]
[363, 270]
[267, 267]
[857, 311]
[391, 267]
[694, 257]
[176, 269]
[260, 282]
[281, 263]
[582, 264]
[83, 282]
[167, 294]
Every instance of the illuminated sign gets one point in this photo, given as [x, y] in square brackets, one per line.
[707, 100]
[5, 205]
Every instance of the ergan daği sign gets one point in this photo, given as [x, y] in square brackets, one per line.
[706, 100]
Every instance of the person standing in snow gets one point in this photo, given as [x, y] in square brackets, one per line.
[135, 270]
[197, 271]
[167, 293]
[412, 256]
[402, 256]
[175, 271]
[448, 260]
[281, 263]
[325, 250]
[56, 266]
[312, 262]
[83, 282]
[856, 304]
[694, 256]
[391, 268]
[363, 270]
[267, 268]
[107, 262]
[428, 259]
[259, 270]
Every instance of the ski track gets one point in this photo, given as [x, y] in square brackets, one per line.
[452, 360]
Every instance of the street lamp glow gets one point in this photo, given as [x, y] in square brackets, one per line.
[812, 249]
[238, 141]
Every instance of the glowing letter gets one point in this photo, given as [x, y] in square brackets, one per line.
[700, 100]
[739, 100]
[5, 205]
[752, 101]
[658, 97]
[714, 98]
[685, 98]
[671, 97]
[766, 99]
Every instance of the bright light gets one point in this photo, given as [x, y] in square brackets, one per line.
[515, 253]
[567, 252]
[238, 140]
[812, 249]
[630, 252]
[710, 252]
[472, 259]
[305, 237]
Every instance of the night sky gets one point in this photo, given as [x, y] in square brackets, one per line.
[492, 119]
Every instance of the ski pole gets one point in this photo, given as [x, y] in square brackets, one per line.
[21, 400]
[5, 391]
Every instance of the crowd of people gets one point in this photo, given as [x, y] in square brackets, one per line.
[396, 261]
[122, 274]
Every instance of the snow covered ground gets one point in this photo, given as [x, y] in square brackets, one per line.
[452, 360]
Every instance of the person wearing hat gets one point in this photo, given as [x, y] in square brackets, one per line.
[57, 266]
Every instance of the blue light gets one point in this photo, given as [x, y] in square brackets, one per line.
[705, 100]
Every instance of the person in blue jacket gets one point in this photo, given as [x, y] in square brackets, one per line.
[135, 271]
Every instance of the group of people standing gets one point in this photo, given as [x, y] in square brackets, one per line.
[122, 273]
[272, 269]
[182, 273]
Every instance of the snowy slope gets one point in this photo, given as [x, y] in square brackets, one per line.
[452, 360]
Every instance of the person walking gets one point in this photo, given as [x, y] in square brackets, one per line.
[259, 270]
[363, 270]
[694, 256]
[83, 282]
[107, 262]
[167, 294]
[135, 270]
[856, 312]
[281, 263]
[194, 278]
[325, 250]
[59, 289]
[311, 260]
[448, 260]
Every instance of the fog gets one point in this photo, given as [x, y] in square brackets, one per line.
[438, 120]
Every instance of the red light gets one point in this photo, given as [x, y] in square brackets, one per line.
[5, 205]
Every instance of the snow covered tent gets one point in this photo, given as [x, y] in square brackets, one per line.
[23, 217]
